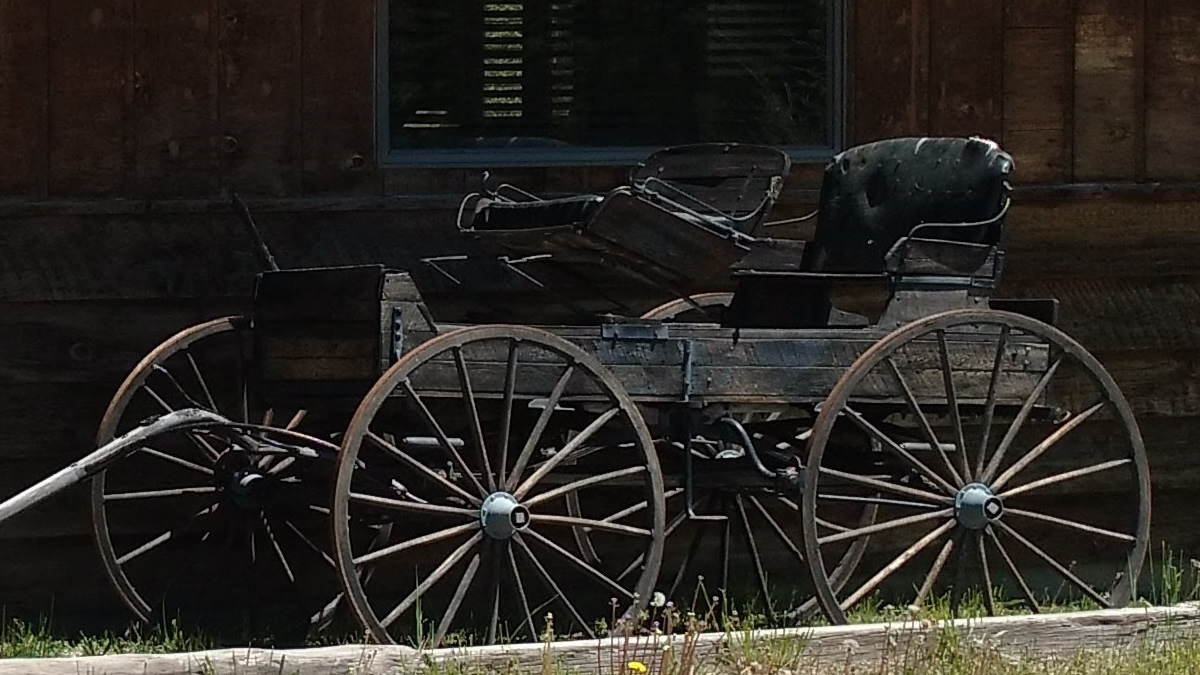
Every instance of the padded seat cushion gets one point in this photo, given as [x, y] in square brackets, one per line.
[505, 215]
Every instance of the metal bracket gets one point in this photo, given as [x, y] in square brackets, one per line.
[634, 330]
[397, 333]
[687, 371]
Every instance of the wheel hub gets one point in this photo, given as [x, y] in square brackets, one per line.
[241, 481]
[976, 506]
[502, 516]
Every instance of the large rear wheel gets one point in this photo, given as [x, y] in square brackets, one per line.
[1005, 462]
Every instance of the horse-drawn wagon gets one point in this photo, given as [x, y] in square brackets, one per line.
[857, 410]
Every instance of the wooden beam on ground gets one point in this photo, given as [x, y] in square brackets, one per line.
[1014, 636]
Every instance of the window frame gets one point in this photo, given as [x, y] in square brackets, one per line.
[483, 158]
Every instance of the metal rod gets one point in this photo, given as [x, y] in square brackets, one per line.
[751, 451]
[260, 244]
[102, 457]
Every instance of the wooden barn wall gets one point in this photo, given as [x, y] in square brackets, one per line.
[123, 123]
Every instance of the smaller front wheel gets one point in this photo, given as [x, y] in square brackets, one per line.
[519, 480]
[1003, 458]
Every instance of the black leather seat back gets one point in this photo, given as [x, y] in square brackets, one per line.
[875, 194]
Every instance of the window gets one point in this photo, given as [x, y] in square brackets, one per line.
[580, 81]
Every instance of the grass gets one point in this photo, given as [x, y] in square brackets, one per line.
[1174, 579]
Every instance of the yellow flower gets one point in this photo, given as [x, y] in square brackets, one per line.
[637, 667]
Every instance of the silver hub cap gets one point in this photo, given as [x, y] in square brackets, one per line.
[976, 506]
[502, 516]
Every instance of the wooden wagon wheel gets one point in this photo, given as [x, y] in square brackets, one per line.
[477, 441]
[947, 418]
[685, 308]
[757, 543]
[219, 519]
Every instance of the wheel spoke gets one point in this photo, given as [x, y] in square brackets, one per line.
[433, 537]
[582, 541]
[551, 585]
[520, 587]
[422, 469]
[497, 574]
[309, 542]
[926, 427]
[296, 420]
[589, 524]
[989, 601]
[989, 407]
[538, 428]
[168, 535]
[939, 563]
[897, 450]
[777, 528]
[434, 576]
[447, 446]
[748, 536]
[952, 403]
[693, 547]
[590, 481]
[1018, 422]
[960, 576]
[510, 383]
[667, 532]
[278, 550]
[1041, 448]
[900, 561]
[213, 455]
[203, 383]
[1058, 567]
[871, 501]
[1054, 520]
[885, 526]
[640, 506]
[176, 460]
[1030, 601]
[412, 507]
[162, 370]
[575, 560]
[281, 465]
[464, 584]
[566, 451]
[883, 486]
[464, 379]
[160, 494]
[1064, 477]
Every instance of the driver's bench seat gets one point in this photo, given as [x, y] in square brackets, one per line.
[876, 199]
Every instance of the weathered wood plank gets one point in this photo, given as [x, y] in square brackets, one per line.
[176, 99]
[260, 96]
[89, 342]
[1037, 103]
[853, 646]
[88, 48]
[23, 94]
[890, 70]
[1041, 155]
[966, 79]
[1036, 78]
[1172, 90]
[1038, 14]
[1111, 315]
[338, 89]
[1108, 116]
